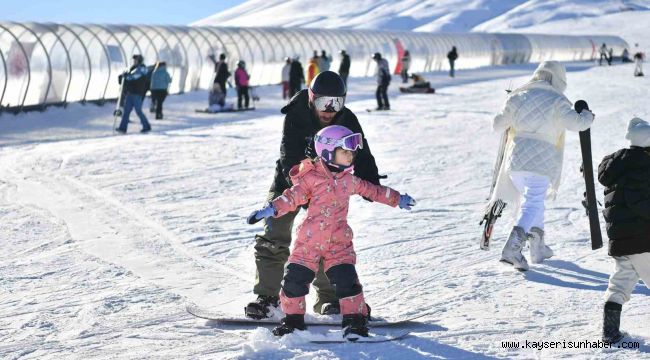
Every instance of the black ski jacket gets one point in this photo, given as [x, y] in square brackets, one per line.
[345, 64]
[300, 126]
[136, 81]
[296, 74]
[626, 176]
[221, 72]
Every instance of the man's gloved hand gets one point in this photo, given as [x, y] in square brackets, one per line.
[260, 214]
[405, 202]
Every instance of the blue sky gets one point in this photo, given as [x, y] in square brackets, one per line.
[176, 12]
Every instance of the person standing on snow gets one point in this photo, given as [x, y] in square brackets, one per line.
[638, 61]
[344, 67]
[406, 64]
[307, 113]
[324, 237]
[312, 68]
[626, 177]
[603, 54]
[382, 76]
[221, 73]
[160, 81]
[241, 82]
[536, 116]
[452, 56]
[324, 61]
[285, 77]
[135, 87]
[296, 77]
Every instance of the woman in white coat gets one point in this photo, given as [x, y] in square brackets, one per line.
[536, 117]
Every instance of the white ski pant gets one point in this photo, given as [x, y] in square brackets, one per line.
[626, 275]
[533, 189]
[639, 67]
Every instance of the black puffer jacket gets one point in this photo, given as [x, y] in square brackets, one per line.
[626, 176]
[300, 126]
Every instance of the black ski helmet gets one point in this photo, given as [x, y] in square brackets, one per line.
[376, 56]
[138, 58]
[327, 83]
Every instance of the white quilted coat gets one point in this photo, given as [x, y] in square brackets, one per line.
[538, 115]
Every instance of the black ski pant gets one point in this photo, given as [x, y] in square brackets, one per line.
[242, 93]
[382, 96]
[157, 98]
[405, 75]
[342, 277]
[451, 68]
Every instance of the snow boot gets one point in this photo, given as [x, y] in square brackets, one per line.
[612, 322]
[511, 253]
[290, 323]
[354, 326]
[332, 308]
[259, 309]
[538, 250]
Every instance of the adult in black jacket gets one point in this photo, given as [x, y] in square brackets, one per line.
[452, 56]
[302, 121]
[344, 67]
[626, 177]
[221, 73]
[296, 77]
[136, 84]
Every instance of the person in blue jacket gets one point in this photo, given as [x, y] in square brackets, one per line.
[160, 81]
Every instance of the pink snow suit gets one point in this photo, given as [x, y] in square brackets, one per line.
[325, 233]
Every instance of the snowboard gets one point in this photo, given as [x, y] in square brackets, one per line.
[412, 90]
[310, 319]
[206, 111]
[336, 337]
[494, 209]
[589, 202]
[119, 106]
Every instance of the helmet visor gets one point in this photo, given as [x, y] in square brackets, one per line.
[329, 103]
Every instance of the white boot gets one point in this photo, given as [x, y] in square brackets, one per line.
[538, 250]
[511, 252]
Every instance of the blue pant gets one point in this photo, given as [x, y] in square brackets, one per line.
[133, 102]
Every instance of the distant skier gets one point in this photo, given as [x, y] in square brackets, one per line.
[135, 87]
[307, 113]
[625, 57]
[406, 64]
[603, 54]
[312, 69]
[344, 67]
[383, 77]
[610, 56]
[324, 237]
[452, 56]
[626, 177]
[639, 56]
[160, 81]
[296, 76]
[241, 82]
[536, 115]
[221, 73]
[324, 61]
[285, 77]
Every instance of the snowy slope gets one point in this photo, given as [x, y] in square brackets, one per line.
[417, 15]
[104, 238]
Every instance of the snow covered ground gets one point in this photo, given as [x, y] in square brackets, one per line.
[105, 238]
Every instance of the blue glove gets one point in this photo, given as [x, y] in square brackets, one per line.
[405, 202]
[260, 214]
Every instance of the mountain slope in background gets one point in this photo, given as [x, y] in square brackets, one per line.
[416, 15]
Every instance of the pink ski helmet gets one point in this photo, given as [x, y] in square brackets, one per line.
[328, 139]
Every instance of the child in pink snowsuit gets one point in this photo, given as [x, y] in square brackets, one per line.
[326, 183]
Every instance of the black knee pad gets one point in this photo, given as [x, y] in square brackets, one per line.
[344, 279]
[296, 280]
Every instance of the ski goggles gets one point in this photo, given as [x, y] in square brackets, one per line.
[329, 103]
[351, 142]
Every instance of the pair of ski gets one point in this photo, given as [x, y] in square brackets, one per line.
[332, 336]
[495, 208]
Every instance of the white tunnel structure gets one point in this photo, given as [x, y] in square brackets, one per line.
[53, 64]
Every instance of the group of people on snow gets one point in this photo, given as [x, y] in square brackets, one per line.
[134, 86]
[322, 142]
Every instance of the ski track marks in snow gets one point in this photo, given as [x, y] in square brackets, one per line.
[109, 237]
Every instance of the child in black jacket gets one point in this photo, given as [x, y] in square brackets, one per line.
[626, 177]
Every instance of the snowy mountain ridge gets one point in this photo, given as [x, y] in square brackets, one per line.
[417, 15]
